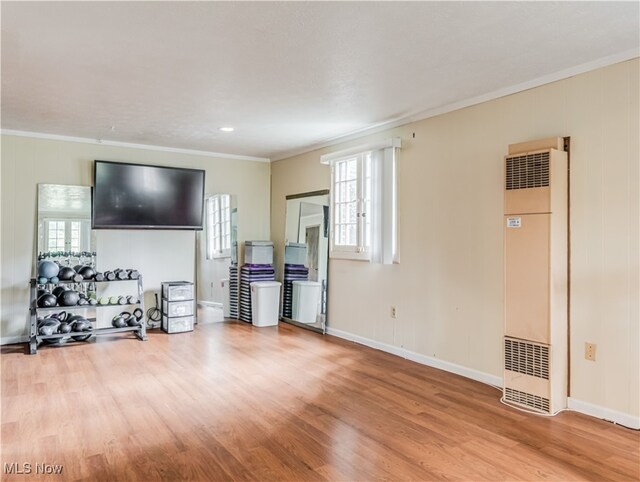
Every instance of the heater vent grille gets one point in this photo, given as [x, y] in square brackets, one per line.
[527, 171]
[526, 358]
[527, 399]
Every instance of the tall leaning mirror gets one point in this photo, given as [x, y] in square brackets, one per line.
[64, 225]
[306, 260]
[219, 248]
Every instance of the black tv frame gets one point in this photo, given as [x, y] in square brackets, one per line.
[157, 227]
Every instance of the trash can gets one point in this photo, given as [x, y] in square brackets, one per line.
[265, 301]
[226, 297]
[306, 297]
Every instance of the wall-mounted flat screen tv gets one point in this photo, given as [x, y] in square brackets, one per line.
[137, 196]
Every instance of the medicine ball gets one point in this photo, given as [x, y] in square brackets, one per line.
[46, 300]
[41, 292]
[68, 298]
[57, 290]
[87, 272]
[47, 269]
[66, 273]
[78, 267]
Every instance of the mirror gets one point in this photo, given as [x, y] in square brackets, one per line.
[219, 243]
[64, 224]
[306, 258]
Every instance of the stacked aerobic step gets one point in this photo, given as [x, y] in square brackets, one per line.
[295, 256]
[292, 272]
[258, 258]
[178, 306]
[234, 292]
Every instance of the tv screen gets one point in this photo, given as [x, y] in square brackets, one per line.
[135, 196]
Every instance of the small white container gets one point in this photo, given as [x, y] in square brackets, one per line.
[258, 252]
[306, 298]
[265, 301]
[295, 253]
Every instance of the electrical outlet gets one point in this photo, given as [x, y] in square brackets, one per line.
[394, 312]
[590, 351]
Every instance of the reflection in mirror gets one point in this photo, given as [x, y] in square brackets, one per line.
[64, 224]
[221, 245]
[304, 299]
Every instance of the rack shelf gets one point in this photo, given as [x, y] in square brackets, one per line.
[35, 338]
[97, 331]
[80, 307]
[67, 282]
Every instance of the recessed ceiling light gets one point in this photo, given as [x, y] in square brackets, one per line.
[227, 129]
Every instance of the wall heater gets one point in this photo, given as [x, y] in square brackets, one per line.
[536, 275]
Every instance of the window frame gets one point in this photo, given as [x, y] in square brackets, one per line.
[361, 250]
[218, 242]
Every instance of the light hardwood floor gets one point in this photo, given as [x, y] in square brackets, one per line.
[232, 402]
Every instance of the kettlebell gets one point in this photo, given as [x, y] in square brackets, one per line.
[120, 321]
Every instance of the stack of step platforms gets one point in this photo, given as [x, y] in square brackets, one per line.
[178, 306]
[234, 292]
[258, 259]
[292, 272]
[295, 257]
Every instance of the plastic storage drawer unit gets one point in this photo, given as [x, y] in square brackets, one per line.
[180, 324]
[177, 308]
[177, 290]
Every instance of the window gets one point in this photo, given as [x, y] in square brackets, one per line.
[219, 226]
[363, 202]
[66, 235]
[351, 188]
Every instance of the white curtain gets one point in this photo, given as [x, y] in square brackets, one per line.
[384, 223]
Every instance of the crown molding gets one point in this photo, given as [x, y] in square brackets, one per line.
[100, 142]
[496, 94]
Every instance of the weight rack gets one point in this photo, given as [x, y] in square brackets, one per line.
[35, 338]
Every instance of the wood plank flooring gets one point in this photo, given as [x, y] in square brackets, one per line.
[232, 402]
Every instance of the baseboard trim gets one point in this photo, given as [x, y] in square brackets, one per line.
[620, 418]
[419, 358]
[11, 340]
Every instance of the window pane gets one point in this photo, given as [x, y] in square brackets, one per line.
[351, 234]
[351, 212]
[352, 169]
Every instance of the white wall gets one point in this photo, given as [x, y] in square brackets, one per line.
[159, 255]
[448, 288]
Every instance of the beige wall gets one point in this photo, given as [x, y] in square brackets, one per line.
[159, 255]
[448, 288]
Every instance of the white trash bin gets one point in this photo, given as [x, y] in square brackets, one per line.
[306, 297]
[265, 303]
[226, 298]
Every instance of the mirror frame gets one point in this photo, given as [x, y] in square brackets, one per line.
[323, 330]
[93, 241]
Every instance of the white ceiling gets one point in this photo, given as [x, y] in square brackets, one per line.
[288, 76]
